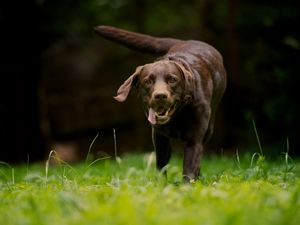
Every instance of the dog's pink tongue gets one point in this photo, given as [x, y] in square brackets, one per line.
[152, 116]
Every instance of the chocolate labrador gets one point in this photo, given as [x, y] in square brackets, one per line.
[180, 92]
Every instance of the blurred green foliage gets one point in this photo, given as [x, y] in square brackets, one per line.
[238, 190]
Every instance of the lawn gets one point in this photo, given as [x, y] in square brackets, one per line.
[232, 190]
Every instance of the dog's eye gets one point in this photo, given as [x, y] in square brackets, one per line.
[148, 82]
[172, 79]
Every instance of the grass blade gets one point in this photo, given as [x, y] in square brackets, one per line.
[257, 138]
[99, 159]
[238, 159]
[117, 158]
[90, 148]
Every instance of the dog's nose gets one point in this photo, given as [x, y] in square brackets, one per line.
[161, 96]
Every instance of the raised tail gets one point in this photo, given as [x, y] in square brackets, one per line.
[137, 41]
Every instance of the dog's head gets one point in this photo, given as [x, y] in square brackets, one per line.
[163, 86]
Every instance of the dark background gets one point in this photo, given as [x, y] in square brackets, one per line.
[57, 78]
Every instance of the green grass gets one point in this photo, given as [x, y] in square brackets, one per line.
[232, 190]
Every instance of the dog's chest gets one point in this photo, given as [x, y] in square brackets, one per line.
[182, 124]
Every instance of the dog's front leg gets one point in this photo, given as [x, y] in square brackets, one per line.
[191, 162]
[162, 148]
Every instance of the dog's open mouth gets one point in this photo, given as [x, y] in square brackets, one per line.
[161, 115]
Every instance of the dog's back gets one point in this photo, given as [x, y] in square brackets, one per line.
[158, 45]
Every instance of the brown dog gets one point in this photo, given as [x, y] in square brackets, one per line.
[180, 92]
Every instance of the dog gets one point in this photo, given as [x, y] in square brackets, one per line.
[180, 92]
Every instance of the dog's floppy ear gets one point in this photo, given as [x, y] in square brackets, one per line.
[125, 88]
[189, 81]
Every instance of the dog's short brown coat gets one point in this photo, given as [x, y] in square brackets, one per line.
[180, 92]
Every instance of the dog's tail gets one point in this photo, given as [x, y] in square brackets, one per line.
[137, 41]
